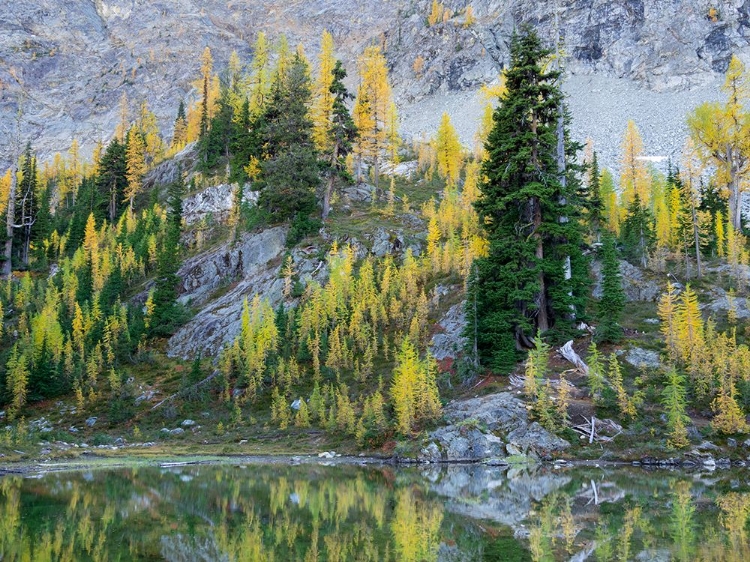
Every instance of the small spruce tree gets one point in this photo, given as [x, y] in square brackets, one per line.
[612, 303]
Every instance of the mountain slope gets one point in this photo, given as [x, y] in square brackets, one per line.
[66, 63]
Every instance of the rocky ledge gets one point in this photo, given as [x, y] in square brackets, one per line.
[490, 429]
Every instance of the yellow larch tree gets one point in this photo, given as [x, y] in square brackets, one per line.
[449, 152]
[469, 18]
[689, 324]
[74, 172]
[136, 159]
[667, 310]
[322, 105]
[414, 390]
[4, 192]
[720, 235]
[17, 377]
[721, 133]
[372, 111]
[634, 176]
[729, 416]
[124, 123]
[260, 74]
[625, 403]
[437, 12]
[147, 126]
[690, 175]
[612, 210]
[489, 94]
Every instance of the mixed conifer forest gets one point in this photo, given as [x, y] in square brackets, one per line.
[524, 230]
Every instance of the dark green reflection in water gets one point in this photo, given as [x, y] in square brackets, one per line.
[316, 513]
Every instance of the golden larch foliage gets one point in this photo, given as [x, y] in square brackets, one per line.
[634, 177]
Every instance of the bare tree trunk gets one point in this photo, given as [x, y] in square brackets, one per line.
[697, 239]
[542, 319]
[329, 186]
[112, 203]
[10, 217]
[735, 211]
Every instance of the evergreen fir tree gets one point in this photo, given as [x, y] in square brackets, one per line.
[637, 233]
[341, 134]
[612, 303]
[290, 171]
[244, 145]
[111, 180]
[527, 208]
[166, 313]
[214, 144]
[42, 227]
[26, 208]
[179, 136]
[593, 202]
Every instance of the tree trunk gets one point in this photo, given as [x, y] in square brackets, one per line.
[542, 319]
[561, 170]
[331, 179]
[697, 239]
[10, 217]
[112, 203]
[735, 211]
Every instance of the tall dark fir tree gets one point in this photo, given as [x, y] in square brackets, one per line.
[168, 314]
[533, 278]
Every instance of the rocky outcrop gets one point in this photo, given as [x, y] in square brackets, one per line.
[449, 341]
[720, 304]
[643, 358]
[489, 427]
[166, 172]
[215, 202]
[233, 271]
[635, 283]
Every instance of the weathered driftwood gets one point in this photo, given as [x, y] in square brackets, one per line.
[594, 429]
[570, 355]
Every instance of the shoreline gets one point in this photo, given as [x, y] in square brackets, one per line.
[180, 459]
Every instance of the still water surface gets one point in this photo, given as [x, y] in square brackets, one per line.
[340, 513]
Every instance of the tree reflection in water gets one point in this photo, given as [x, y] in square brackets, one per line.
[342, 513]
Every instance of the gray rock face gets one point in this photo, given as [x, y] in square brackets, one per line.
[638, 357]
[448, 342]
[633, 281]
[68, 62]
[720, 304]
[215, 201]
[489, 427]
[462, 443]
[204, 273]
[248, 267]
[384, 243]
[166, 172]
